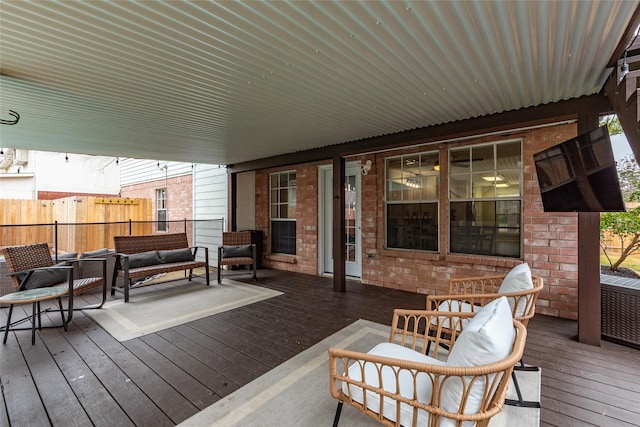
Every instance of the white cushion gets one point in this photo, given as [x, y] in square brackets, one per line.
[454, 306]
[371, 373]
[487, 338]
[517, 280]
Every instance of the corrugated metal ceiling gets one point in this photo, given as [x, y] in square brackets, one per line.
[225, 82]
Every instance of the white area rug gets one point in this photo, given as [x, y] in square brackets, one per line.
[296, 393]
[175, 304]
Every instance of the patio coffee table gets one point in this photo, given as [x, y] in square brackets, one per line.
[33, 296]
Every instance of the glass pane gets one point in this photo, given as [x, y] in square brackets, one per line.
[274, 196]
[284, 180]
[510, 187]
[274, 180]
[459, 186]
[274, 211]
[412, 226]
[292, 179]
[482, 159]
[459, 161]
[508, 156]
[394, 190]
[431, 187]
[283, 195]
[484, 185]
[283, 237]
[486, 228]
[284, 211]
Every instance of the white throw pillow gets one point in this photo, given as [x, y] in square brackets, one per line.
[487, 338]
[455, 306]
[517, 280]
[406, 381]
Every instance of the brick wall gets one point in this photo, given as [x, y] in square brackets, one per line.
[179, 197]
[550, 239]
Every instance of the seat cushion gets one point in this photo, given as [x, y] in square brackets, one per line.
[95, 254]
[487, 338]
[144, 259]
[240, 251]
[176, 255]
[454, 306]
[422, 380]
[46, 277]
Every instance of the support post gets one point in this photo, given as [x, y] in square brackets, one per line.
[589, 299]
[339, 238]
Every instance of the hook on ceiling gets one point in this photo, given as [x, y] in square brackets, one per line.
[11, 122]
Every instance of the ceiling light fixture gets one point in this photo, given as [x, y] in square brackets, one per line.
[492, 178]
[502, 185]
[436, 166]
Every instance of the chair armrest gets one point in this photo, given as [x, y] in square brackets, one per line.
[410, 328]
[475, 300]
[475, 285]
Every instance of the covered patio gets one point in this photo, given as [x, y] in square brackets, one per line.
[164, 378]
[264, 87]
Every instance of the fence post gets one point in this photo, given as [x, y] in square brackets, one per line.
[130, 227]
[55, 241]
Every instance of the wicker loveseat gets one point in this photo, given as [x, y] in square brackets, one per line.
[144, 256]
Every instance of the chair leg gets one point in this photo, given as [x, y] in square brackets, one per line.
[64, 323]
[520, 402]
[336, 419]
[219, 273]
[6, 328]
[36, 312]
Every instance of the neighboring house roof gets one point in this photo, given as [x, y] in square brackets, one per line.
[229, 82]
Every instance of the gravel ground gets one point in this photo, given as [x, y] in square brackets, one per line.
[622, 272]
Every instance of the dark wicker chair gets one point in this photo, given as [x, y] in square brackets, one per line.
[237, 249]
[31, 266]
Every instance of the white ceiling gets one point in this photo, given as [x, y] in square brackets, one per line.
[226, 82]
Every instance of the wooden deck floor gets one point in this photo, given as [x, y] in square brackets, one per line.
[85, 377]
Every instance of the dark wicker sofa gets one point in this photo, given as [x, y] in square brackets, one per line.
[144, 256]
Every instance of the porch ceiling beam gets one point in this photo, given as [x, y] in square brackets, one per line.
[532, 116]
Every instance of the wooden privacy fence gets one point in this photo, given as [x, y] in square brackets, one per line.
[76, 224]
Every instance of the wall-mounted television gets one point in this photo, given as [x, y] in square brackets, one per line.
[579, 175]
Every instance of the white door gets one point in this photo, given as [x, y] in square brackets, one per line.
[352, 230]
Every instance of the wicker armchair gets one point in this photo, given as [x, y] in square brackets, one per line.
[31, 266]
[476, 292]
[237, 249]
[472, 293]
[396, 383]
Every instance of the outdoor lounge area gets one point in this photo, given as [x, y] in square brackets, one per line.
[85, 376]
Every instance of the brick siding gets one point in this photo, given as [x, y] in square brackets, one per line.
[179, 198]
[550, 239]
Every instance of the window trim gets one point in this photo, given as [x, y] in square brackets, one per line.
[437, 200]
[272, 204]
[495, 199]
[164, 209]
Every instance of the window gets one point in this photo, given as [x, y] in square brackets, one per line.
[283, 212]
[485, 201]
[411, 201]
[161, 208]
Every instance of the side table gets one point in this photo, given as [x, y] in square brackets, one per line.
[33, 296]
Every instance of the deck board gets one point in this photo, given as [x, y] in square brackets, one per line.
[164, 377]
